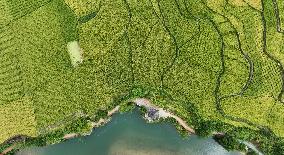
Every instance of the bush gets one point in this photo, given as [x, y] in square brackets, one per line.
[229, 142]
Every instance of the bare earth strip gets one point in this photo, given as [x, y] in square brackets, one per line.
[163, 113]
[75, 52]
[8, 149]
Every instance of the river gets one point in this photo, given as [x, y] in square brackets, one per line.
[129, 134]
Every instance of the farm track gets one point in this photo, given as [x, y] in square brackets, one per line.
[250, 62]
[251, 71]
[218, 99]
[278, 63]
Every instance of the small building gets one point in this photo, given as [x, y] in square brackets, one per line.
[153, 113]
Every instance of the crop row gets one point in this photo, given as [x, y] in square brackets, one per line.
[11, 10]
[17, 118]
[11, 84]
[84, 7]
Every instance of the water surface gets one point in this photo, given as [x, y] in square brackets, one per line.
[129, 134]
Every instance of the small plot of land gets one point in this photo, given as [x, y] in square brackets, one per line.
[17, 118]
[75, 52]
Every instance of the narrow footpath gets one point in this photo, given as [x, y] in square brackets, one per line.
[8, 149]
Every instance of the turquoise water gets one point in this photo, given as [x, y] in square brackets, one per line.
[129, 134]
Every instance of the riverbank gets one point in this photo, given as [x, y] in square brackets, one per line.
[129, 133]
[159, 113]
[141, 102]
[95, 124]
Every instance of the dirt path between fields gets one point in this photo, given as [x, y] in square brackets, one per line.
[8, 149]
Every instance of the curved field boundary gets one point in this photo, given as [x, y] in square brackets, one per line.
[177, 50]
[217, 89]
[218, 98]
[177, 47]
[277, 16]
[279, 64]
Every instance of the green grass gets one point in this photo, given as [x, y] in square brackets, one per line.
[203, 60]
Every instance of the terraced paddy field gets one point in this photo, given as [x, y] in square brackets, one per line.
[218, 64]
